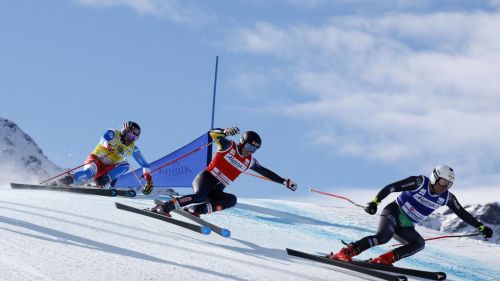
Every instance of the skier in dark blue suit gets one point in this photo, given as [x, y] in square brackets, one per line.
[419, 198]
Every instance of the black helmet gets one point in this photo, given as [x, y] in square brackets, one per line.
[251, 141]
[131, 130]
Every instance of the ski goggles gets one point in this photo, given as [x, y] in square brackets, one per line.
[131, 136]
[444, 183]
[250, 147]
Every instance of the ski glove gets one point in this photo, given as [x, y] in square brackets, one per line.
[290, 184]
[485, 231]
[371, 208]
[149, 184]
[231, 131]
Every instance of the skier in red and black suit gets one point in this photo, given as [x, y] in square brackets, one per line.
[229, 162]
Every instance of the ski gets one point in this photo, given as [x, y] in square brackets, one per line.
[126, 192]
[219, 230]
[408, 271]
[196, 228]
[346, 265]
[84, 190]
[77, 189]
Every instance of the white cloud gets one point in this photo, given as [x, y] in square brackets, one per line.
[168, 9]
[395, 88]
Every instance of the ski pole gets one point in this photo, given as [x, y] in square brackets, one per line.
[67, 172]
[180, 157]
[133, 172]
[337, 196]
[444, 236]
[257, 176]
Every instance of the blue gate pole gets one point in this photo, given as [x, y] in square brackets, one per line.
[215, 90]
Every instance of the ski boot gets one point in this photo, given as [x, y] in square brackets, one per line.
[66, 180]
[386, 259]
[164, 208]
[192, 211]
[345, 254]
[103, 181]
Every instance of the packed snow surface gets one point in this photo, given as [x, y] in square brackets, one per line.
[47, 235]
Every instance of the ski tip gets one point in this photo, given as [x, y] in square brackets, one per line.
[225, 233]
[132, 193]
[205, 230]
[441, 276]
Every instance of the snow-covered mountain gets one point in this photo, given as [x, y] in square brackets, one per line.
[447, 221]
[21, 158]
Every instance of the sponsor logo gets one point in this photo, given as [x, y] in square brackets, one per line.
[422, 191]
[426, 202]
[175, 170]
[235, 162]
[419, 181]
[441, 200]
[220, 176]
[408, 184]
[412, 213]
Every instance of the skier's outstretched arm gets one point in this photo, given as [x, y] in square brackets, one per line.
[410, 183]
[460, 211]
[288, 183]
[219, 136]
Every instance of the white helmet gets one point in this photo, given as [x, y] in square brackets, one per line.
[443, 172]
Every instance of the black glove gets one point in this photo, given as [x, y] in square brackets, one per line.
[290, 184]
[485, 231]
[231, 131]
[371, 208]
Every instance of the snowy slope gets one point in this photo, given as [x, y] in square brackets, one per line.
[21, 158]
[47, 235]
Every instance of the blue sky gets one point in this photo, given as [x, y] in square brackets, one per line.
[346, 95]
